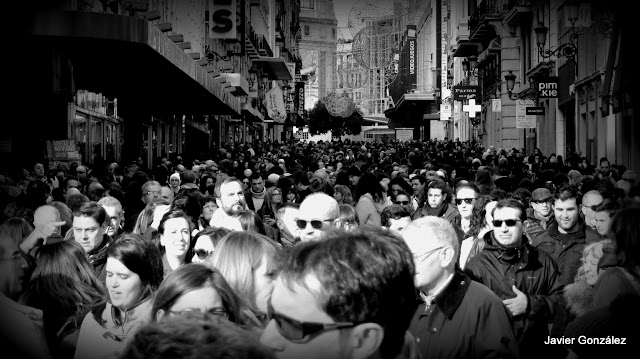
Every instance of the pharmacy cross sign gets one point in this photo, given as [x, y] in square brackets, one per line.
[472, 108]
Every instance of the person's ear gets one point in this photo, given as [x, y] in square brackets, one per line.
[280, 224]
[365, 340]
[448, 257]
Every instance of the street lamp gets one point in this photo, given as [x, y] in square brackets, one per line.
[511, 83]
[470, 66]
[567, 50]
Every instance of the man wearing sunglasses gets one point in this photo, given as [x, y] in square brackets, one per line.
[525, 278]
[319, 213]
[350, 295]
[457, 317]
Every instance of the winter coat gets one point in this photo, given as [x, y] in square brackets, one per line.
[369, 211]
[535, 226]
[109, 339]
[534, 273]
[467, 320]
[99, 259]
[567, 256]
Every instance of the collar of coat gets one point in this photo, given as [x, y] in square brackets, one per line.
[450, 297]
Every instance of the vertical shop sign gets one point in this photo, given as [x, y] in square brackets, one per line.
[223, 19]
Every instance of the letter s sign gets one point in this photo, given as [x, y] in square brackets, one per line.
[223, 19]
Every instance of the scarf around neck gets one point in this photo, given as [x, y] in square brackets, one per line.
[259, 195]
[438, 211]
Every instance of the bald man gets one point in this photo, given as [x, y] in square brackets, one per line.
[590, 200]
[47, 223]
[319, 213]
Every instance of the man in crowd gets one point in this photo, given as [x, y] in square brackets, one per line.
[418, 182]
[90, 231]
[319, 213]
[150, 191]
[437, 202]
[395, 217]
[457, 317]
[590, 199]
[230, 199]
[21, 327]
[286, 215]
[565, 239]
[525, 278]
[348, 296]
[254, 197]
[115, 215]
[541, 214]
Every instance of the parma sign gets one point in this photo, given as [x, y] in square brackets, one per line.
[461, 93]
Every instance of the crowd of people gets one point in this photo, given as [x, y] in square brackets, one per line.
[403, 249]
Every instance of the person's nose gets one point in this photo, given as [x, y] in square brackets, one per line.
[271, 338]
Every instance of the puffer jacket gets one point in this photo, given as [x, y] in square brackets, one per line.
[568, 256]
[534, 273]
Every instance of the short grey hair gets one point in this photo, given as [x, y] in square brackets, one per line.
[110, 201]
[440, 230]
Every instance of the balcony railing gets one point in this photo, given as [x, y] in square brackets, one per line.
[488, 9]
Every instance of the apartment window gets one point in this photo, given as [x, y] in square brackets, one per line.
[307, 31]
[308, 4]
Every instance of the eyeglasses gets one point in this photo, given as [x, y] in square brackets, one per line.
[245, 182]
[466, 200]
[426, 254]
[296, 330]
[404, 203]
[508, 222]
[203, 254]
[220, 312]
[316, 223]
[151, 192]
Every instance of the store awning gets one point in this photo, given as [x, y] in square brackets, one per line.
[275, 67]
[409, 110]
[251, 114]
[380, 131]
[129, 58]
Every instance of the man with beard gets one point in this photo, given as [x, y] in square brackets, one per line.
[230, 200]
[525, 278]
[540, 215]
[89, 230]
[565, 239]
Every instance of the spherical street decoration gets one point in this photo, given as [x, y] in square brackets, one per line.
[339, 105]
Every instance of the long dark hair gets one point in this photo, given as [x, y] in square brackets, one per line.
[625, 233]
[191, 277]
[369, 183]
[139, 256]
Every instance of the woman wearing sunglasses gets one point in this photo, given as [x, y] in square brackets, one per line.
[205, 242]
[479, 228]
[175, 240]
[246, 260]
[195, 288]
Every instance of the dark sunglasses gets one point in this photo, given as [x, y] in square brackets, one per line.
[404, 203]
[508, 222]
[316, 223]
[202, 254]
[292, 329]
[466, 200]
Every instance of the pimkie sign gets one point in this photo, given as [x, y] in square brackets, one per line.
[547, 87]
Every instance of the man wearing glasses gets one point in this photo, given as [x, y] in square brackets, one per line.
[525, 278]
[457, 317]
[21, 327]
[350, 295]
[319, 213]
[150, 191]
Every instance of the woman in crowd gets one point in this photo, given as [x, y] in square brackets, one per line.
[175, 240]
[145, 218]
[196, 287]
[292, 195]
[17, 228]
[205, 242]
[134, 273]
[579, 294]
[272, 199]
[342, 194]
[348, 217]
[625, 277]
[398, 184]
[250, 221]
[209, 206]
[403, 199]
[246, 260]
[371, 200]
[207, 184]
[479, 227]
[65, 287]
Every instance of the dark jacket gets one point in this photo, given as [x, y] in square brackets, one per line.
[567, 256]
[534, 226]
[99, 259]
[466, 321]
[534, 273]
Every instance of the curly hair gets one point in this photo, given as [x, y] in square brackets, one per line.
[478, 220]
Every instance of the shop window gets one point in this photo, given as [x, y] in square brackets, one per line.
[308, 4]
[79, 134]
[96, 141]
[304, 136]
[110, 142]
[368, 135]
